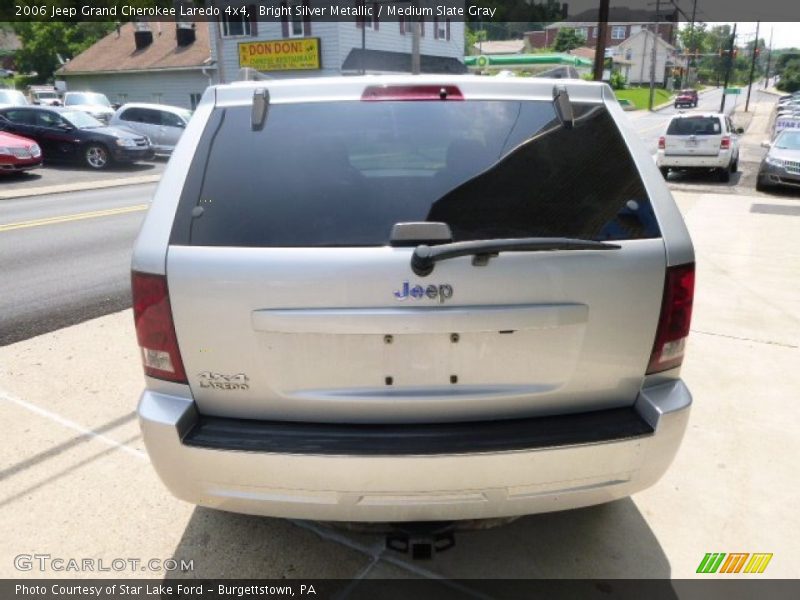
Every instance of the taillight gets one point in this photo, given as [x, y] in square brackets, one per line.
[155, 330]
[662, 143]
[725, 142]
[675, 318]
[412, 92]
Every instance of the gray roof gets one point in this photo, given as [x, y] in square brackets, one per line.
[400, 62]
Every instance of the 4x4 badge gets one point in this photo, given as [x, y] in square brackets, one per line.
[440, 292]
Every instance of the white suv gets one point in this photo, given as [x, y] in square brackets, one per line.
[699, 141]
[411, 299]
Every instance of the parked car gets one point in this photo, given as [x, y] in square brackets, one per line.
[163, 124]
[41, 97]
[699, 142]
[12, 98]
[686, 98]
[93, 103]
[65, 134]
[18, 154]
[441, 299]
[781, 165]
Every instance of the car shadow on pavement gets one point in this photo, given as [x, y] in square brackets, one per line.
[228, 545]
[709, 178]
[20, 177]
[136, 167]
[608, 541]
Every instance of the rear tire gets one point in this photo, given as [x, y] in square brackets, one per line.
[664, 172]
[96, 156]
[735, 165]
[725, 174]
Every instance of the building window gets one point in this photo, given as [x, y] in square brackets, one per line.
[122, 98]
[157, 97]
[234, 25]
[296, 28]
[618, 32]
[373, 21]
[582, 32]
[441, 29]
[194, 100]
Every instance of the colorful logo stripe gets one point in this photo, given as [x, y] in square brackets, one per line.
[734, 563]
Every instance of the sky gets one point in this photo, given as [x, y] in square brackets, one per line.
[786, 34]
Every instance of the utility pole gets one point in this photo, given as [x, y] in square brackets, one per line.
[363, 41]
[600, 47]
[415, 59]
[653, 57]
[769, 58]
[728, 70]
[752, 68]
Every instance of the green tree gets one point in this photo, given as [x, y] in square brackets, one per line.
[783, 58]
[790, 76]
[694, 38]
[568, 39]
[43, 42]
[471, 38]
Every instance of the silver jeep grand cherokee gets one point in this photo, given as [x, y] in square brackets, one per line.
[411, 298]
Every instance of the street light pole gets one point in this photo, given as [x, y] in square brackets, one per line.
[769, 58]
[752, 68]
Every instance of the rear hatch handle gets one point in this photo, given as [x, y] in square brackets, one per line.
[425, 257]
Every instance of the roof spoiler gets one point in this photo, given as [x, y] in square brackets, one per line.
[563, 106]
[260, 107]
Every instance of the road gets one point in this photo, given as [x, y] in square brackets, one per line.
[651, 125]
[66, 258]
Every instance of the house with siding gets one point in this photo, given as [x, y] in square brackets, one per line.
[640, 54]
[163, 63]
[293, 46]
[623, 23]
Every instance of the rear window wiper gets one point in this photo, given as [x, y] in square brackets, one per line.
[425, 257]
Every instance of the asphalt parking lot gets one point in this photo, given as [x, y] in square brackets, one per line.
[76, 482]
[56, 177]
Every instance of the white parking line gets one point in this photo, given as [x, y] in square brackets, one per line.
[71, 424]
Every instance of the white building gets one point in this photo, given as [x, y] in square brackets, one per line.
[305, 47]
[165, 63]
[637, 51]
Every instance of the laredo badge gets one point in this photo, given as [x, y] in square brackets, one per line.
[220, 381]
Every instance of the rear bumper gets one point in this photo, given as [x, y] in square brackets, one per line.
[294, 472]
[690, 161]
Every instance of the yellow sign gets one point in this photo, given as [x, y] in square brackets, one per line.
[281, 55]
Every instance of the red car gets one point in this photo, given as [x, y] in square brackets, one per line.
[18, 153]
[686, 98]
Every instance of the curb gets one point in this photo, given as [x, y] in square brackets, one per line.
[78, 187]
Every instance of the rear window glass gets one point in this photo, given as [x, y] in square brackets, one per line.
[695, 126]
[343, 173]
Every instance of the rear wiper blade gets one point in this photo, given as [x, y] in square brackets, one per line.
[425, 257]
